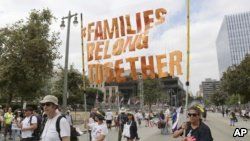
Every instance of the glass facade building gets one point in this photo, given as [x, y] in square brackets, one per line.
[233, 40]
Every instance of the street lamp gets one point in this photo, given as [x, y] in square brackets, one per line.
[65, 83]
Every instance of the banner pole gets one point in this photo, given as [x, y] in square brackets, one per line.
[188, 59]
[83, 76]
[83, 66]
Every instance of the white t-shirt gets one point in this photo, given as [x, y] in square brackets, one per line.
[91, 122]
[109, 116]
[14, 123]
[98, 130]
[69, 119]
[147, 115]
[50, 133]
[26, 124]
[138, 116]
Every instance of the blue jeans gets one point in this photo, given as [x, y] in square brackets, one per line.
[15, 134]
[232, 121]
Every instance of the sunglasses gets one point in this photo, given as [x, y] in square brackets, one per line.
[192, 114]
[47, 104]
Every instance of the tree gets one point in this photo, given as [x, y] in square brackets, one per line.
[91, 96]
[75, 93]
[236, 80]
[232, 100]
[151, 91]
[219, 98]
[28, 50]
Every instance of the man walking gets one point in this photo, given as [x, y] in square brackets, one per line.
[69, 118]
[122, 119]
[28, 125]
[109, 118]
[50, 131]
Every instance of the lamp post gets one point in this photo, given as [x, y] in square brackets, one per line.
[65, 83]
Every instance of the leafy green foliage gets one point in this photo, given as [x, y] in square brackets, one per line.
[232, 100]
[236, 80]
[27, 52]
[219, 98]
[75, 93]
[152, 91]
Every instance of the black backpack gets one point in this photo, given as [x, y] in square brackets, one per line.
[73, 133]
[37, 132]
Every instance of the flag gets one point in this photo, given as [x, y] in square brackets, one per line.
[129, 101]
[137, 101]
[178, 111]
[122, 100]
[116, 99]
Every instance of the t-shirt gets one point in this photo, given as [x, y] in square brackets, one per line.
[98, 130]
[69, 119]
[50, 133]
[109, 116]
[147, 116]
[202, 133]
[26, 123]
[138, 116]
[14, 123]
[8, 118]
[91, 122]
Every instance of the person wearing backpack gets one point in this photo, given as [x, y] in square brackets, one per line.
[28, 125]
[37, 132]
[56, 127]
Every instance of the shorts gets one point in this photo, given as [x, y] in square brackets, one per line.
[109, 121]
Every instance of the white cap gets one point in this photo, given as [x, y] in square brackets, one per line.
[122, 110]
[50, 98]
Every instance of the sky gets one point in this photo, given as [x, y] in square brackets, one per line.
[206, 18]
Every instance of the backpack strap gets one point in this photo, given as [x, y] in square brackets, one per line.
[58, 126]
[30, 119]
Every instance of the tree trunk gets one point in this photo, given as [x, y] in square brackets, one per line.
[9, 100]
[21, 101]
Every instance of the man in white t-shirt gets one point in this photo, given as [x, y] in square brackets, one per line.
[109, 118]
[138, 117]
[69, 118]
[99, 129]
[28, 125]
[50, 133]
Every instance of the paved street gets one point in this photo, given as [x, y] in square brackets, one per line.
[221, 131]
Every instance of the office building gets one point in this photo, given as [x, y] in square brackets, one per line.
[209, 87]
[233, 41]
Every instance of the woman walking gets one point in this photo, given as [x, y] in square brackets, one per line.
[130, 128]
[16, 131]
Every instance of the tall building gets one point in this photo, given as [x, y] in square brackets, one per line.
[233, 41]
[208, 87]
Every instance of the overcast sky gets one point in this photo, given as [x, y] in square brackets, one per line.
[206, 18]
